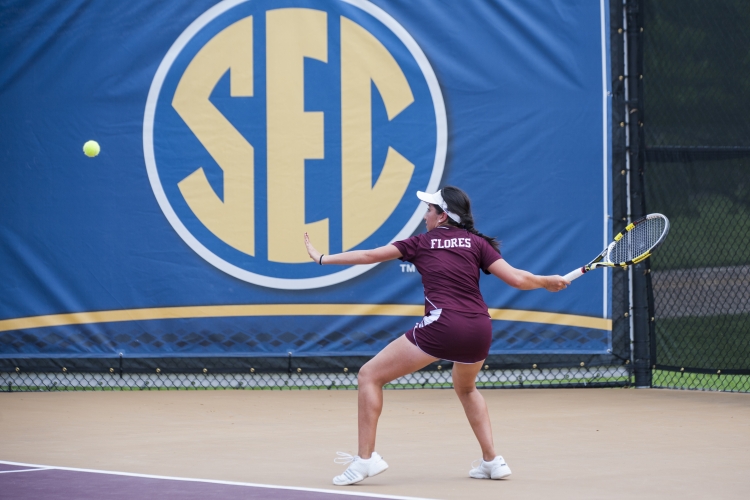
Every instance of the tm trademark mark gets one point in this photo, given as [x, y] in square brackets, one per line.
[408, 268]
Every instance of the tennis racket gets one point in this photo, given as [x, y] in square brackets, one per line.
[634, 244]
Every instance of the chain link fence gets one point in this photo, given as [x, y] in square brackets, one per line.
[289, 372]
[697, 172]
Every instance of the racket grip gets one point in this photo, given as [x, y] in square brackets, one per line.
[574, 274]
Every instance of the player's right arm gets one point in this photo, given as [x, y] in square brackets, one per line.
[524, 280]
[380, 254]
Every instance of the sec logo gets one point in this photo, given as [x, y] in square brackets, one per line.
[270, 118]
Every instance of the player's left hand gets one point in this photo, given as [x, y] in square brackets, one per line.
[314, 254]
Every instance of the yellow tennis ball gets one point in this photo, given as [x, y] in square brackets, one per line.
[91, 148]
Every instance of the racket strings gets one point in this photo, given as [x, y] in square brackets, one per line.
[638, 241]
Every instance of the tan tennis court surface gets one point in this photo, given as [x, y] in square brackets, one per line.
[577, 444]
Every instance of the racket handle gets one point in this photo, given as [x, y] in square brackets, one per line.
[574, 274]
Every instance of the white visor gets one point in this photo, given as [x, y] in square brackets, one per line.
[437, 199]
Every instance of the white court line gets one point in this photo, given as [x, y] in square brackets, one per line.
[214, 481]
[24, 470]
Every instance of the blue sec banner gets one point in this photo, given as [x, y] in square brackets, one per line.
[229, 129]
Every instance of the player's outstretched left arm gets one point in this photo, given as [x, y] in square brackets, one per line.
[381, 254]
[524, 280]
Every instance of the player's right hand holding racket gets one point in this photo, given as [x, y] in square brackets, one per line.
[635, 243]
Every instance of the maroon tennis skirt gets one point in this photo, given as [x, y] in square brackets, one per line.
[453, 336]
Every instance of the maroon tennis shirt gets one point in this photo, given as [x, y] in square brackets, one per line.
[449, 260]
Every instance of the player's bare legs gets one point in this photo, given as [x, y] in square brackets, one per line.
[464, 377]
[399, 358]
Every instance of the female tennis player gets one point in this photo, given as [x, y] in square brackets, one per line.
[456, 326]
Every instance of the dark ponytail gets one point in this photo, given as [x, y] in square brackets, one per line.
[460, 204]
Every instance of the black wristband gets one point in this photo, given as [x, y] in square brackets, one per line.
[320, 261]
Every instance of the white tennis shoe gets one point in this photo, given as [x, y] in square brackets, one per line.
[496, 469]
[359, 469]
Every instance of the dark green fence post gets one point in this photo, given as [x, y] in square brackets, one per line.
[636, 148]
